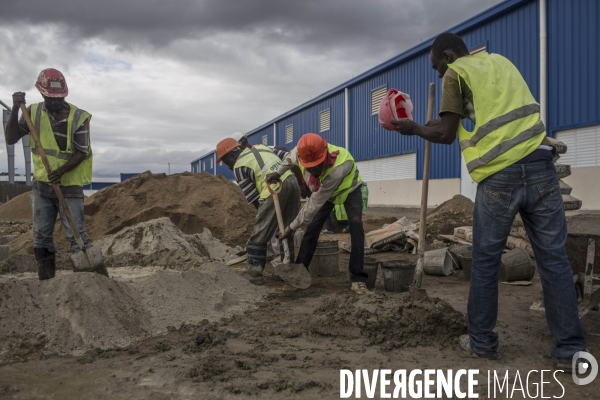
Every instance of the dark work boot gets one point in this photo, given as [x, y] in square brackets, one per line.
[41, 254]
[257, 258]
[51, 265]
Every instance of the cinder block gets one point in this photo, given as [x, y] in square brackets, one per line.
[4, 252]
[7, 239]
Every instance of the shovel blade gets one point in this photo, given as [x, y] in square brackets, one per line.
[295, 275]
[90, 260]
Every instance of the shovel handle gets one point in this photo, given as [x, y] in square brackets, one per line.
[55, 186]
[418, 279]
[275, 191]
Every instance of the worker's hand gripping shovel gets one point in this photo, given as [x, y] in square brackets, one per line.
[87, 260]
[295, 275]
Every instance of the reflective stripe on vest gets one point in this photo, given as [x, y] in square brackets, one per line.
[350, 181]
[508, 125]
[78, 176]
[262, 161]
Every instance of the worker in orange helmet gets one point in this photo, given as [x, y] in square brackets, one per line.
[250, 166]
[332, 177]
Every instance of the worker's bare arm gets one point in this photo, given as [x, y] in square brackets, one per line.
[13, 133]
[441, 130]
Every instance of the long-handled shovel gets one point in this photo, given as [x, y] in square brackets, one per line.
[295, 275]
[424, 193]
[87, 260]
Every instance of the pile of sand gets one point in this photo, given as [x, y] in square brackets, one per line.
[458, 211]
[192, 201]
[75, 312]
[17, 208]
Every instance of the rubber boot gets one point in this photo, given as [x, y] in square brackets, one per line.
[41, 255]
[282, 255]
[51, 265]
[257, 258]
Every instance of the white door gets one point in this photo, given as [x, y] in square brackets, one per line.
[468, 187]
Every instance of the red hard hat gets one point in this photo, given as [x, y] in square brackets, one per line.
[225, 146]
[394, 105]
[312, 150]
[52, 83]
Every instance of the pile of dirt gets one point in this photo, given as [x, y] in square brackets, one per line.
[191, 201]
[154, 243]
[70, 313]
[17, 208]
[76, 312]
[458, 211]
[391, 321]
[374, 222]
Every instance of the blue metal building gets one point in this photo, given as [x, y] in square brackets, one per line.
[554, 43]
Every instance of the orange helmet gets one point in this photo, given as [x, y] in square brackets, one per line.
[312, 150]
[225, 146]
[52, 83]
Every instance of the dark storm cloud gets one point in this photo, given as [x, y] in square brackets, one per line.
[312, 24]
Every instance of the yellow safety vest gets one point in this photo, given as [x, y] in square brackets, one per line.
[80, 175]
[340, 213]
[508, 125]
[263, 161]
[350, 181]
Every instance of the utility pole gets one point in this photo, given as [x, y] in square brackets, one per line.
[10, 148]
[169, 168]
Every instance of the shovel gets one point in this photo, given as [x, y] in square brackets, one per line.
[87, 260]
[295, 275]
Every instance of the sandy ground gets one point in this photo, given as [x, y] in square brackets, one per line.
[295, 343]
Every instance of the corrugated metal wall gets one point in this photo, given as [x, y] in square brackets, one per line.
[307, 121]
[574, 54]
[205, 163]
[257, 137]
[513, 34]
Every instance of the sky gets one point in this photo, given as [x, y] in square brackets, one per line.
[167, 80]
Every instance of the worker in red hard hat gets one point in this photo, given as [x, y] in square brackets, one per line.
[250, 166]
[64, 132]
[333, 179]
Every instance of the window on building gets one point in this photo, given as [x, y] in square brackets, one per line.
[211, 163]
[221, 164]
[403, 166]
[376, 96]
[583, 146]
[324, 120]
[265, 140]
[289, 133]
[204, 166]
[478, 49]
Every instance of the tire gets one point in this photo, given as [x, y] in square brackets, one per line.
[563, 170]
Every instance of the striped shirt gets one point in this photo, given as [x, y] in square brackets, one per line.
[246, 180]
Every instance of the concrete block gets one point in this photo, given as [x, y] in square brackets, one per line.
[7, 239]
[4, 252]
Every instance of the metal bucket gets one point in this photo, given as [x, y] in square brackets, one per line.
[325, 261]
[437, 262]
[398, 275]
[516, 266]
[455, 251]
[466, 258]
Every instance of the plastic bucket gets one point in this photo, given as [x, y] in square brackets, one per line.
[466, 258]
[437, 262]
[370, 267]
[325, 261]
[516, 266]
[398, 275]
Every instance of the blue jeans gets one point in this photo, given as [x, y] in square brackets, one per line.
[45, 210]
[533, 191]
